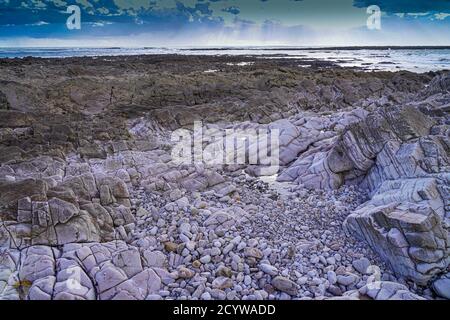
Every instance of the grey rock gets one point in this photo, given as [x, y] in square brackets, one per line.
[222, 283]
[285, 285]
[442, 286]
[384, 290]
[348, 279]
[361, 265]
[267, 268]
[155, 259]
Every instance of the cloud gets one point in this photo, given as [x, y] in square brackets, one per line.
[39, 23]
[441, 16]
[295, 22]
[233, 10]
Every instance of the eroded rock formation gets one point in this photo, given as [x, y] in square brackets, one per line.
[89, 190]
[400, 155]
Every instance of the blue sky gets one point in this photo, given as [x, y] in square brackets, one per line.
[223, 22]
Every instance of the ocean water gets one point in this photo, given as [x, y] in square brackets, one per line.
[411, 59]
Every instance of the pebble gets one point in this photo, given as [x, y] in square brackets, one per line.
[170, 246]
[267, 268]
[205, 259]
[273, 249]
[218, 294]
[215, 251]
[206, 296]
[331, 276]
[185, 273]
[190, 245]
[228, 248]
[222, 283]
[224, 271]
[196, 264]
[285, 285]
[302, 280]
[253, 253]
[361, 265]
[347, 280]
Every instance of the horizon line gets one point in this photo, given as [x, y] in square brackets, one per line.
[241, 47]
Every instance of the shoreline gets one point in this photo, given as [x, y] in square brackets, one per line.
[265, 47]
[367, 63]
[327, 48]
[282, 59]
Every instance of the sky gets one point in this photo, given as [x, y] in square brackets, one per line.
[198, 23]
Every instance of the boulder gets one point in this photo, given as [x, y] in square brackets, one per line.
[385, 290]
[12, 192]
[442, 286]
[285, 285]
[409, 237]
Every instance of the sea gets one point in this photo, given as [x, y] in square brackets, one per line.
[415, 59]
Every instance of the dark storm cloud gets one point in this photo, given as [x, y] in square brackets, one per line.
[407, 6]
[233, 10]
[279, 20]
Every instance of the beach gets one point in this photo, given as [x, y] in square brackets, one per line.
[357, 206]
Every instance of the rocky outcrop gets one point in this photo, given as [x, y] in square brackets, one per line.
[51, 202]
[438, 85]
[81, 272]
[409, 204]
[350, 155]
[385, 290]
[411, 238]
[407, 219]
[92, 205]
[400, 156]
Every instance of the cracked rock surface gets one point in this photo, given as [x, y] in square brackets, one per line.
[93, 205]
